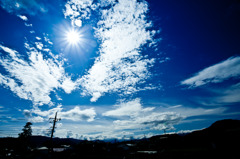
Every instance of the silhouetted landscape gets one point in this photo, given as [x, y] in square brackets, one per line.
[220, 140]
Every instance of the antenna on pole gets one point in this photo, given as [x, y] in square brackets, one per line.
[54, 120]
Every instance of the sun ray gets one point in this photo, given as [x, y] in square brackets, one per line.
[73, 37]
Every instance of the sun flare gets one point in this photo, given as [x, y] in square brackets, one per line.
[73, 37]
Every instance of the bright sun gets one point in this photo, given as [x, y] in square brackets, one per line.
[73, 37]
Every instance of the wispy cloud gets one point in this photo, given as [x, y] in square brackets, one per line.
[215, 74]
[224, 95]
[192, 111]
[33, 79]
[23, 6]
[120, 67]
[2, 109]
[230, 95]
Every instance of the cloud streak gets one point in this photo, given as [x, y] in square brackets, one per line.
[215, 74]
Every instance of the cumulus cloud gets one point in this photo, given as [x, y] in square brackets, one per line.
[131, 108]
[120, 67]
[216, 74]
[75, 114]
[23, 6]
[35, 78]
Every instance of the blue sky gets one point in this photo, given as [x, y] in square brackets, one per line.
[116, 69]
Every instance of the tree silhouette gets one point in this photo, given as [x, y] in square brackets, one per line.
[25, 137]
[27, 131]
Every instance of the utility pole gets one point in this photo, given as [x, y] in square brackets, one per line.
[53, 128]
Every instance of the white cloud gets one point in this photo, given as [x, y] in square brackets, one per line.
[78, 23]
[34, 78]
[29, 25]
[163, 60]
[39, 45]
[31, 118]
[36, 119]
[131, 108]
[23, 6]
[23, 17]
[215, 74]
[160, 118]
[49, 113]
[75, 114]
[123, 30]
[68, 85]
[38, 38]
[46, 39]
[143, 118]
[78, 10]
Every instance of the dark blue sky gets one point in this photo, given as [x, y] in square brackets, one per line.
[134, 67]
